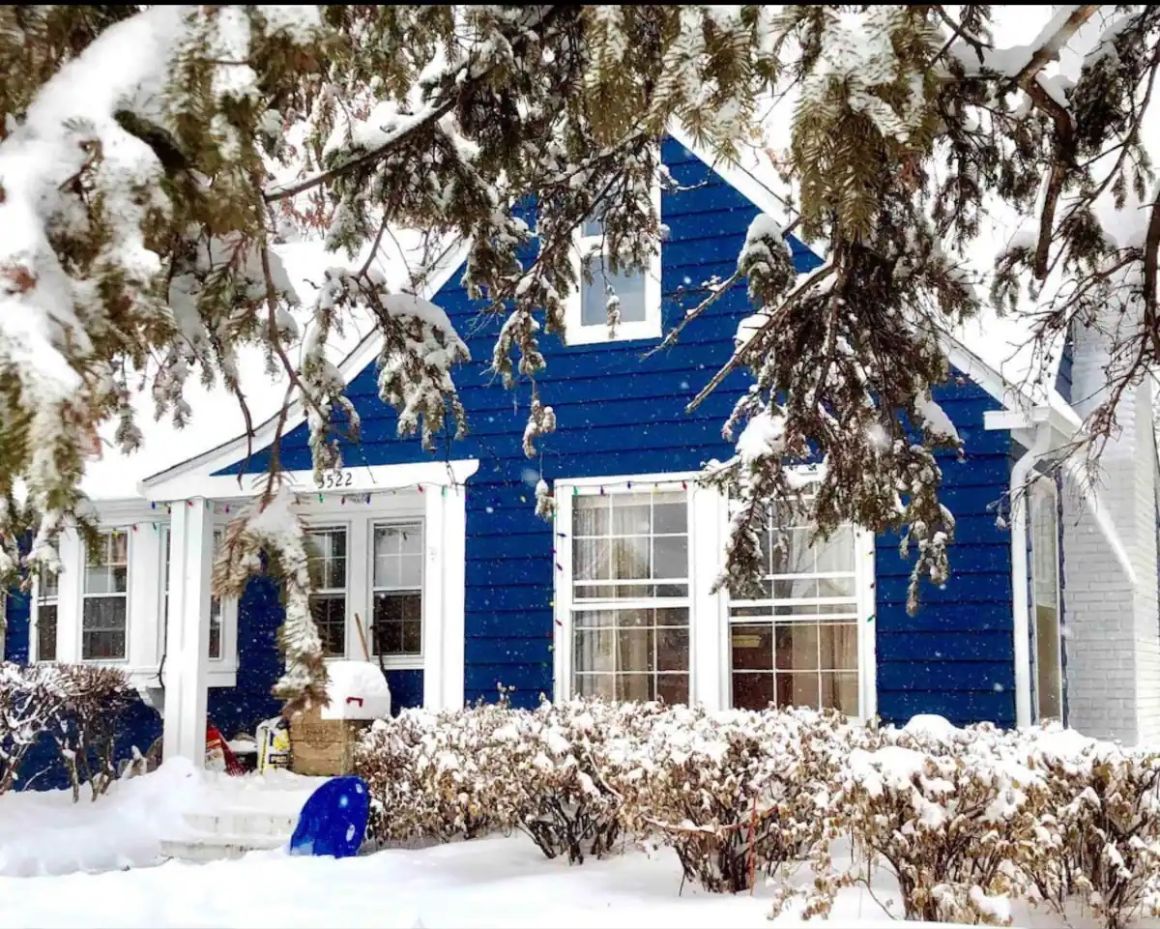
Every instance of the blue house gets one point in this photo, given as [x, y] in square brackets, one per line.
[439, 563]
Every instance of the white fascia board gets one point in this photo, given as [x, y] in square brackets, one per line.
[349, 368]
[363, 479]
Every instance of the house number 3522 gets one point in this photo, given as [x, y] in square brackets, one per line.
[331, 479]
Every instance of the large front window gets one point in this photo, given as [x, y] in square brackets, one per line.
[106, 596]
[630, 596]
[797, 643]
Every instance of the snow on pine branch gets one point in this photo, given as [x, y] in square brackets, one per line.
[269, 527]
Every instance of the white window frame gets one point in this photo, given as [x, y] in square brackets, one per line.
[38, 600]
[648, 328]
[348, 613]
[650, 602]
[400, 661]
[127, 594]
[710, 677]
[850, 612]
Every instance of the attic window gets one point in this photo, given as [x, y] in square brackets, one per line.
[612, 306]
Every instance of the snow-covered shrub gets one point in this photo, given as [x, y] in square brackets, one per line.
[28, 706]
[952, 823]
[560, 771]
[437, 775]
[78, 706]
[94, 700]
[1101, 831]
[735, 793]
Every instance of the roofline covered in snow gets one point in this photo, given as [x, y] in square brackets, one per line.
[1063, 417]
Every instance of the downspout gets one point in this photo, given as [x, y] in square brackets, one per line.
[1021, 614]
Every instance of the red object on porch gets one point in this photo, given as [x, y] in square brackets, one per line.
[358, 700]
[214, 741]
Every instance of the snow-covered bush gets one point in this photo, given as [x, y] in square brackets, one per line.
[28, 706]
[86, 727]
[78, 706]
[952, 824]
[1102, 828]
[561, 771]
[735, 793]
[437, 775]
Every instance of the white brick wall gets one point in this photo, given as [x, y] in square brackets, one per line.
[1112, 630]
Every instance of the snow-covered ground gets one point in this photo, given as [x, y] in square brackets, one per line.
[485, 882]
[45, 833]
[97, 864]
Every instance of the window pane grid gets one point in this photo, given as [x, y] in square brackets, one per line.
[630, 546]
[630, 551]
[105, 598]
[632, 654]
[798, 645]
[396, 590]
[327, 566]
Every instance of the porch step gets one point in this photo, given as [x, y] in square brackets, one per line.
[229, 833]
[258, 823]
[217, 846]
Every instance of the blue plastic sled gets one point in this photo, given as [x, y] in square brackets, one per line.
[334, 819]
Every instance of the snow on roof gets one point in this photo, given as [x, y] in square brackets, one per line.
[216, 413]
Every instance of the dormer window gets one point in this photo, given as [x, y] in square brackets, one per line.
[612, 306]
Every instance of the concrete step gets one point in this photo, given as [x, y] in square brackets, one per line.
[259, 823]
[216, 846]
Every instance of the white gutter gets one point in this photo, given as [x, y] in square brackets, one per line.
[1021, 613]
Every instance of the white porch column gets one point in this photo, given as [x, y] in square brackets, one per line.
[445, 519]
[187, 637]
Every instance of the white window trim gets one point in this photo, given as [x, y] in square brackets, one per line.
[34, 623]
[401, 661]
[323, 525]
[648, 328]
[128, 594]
[710, 680]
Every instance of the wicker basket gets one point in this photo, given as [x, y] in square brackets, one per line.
[323, 746]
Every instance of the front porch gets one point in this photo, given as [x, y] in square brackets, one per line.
[389, 542]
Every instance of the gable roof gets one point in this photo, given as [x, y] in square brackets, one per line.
[990, 350]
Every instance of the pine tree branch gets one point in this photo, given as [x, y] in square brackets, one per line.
[454, 87]
[1049, 50]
